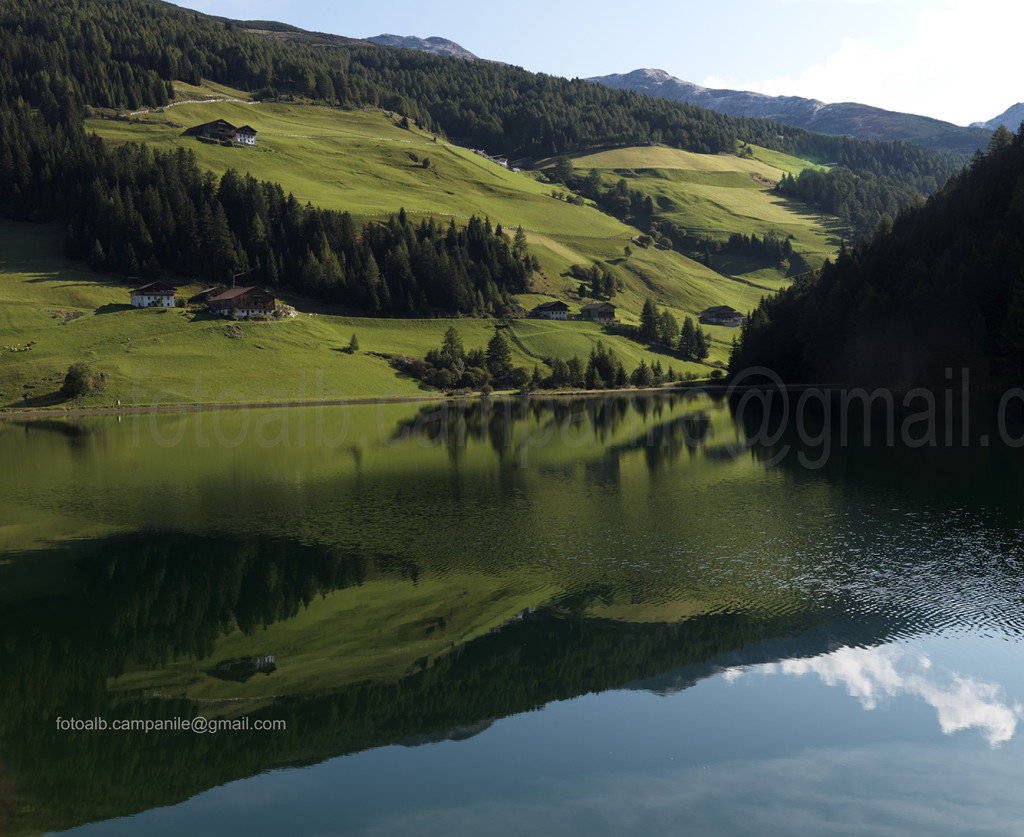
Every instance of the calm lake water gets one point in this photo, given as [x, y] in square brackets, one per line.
[609, 616]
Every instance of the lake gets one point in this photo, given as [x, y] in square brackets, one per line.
[617, 615]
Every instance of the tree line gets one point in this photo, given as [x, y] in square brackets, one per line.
[859, 201]
[452, 367]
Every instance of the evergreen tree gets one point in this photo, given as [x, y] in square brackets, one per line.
[559, 373]
[451, 346]
[642, 376]
[649, 322]
[688, 339]
[702, 345]
[499, 356]
[668, 329]
[658, 373]
[577, 373]
[621, 380]
[519, 244]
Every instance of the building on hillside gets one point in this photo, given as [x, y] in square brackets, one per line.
[223, 131]
[599, 312]
[205, 294]
[153, 295]
[243, 302]
[721, 315]
[246, 135]
[555, 310]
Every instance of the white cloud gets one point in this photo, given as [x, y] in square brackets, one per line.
[959, 65]
[873, 675]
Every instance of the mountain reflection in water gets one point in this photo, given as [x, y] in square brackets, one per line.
[438, 570]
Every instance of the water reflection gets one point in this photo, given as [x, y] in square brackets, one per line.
[151, 627]
[663, 424]
[441, 567]
[874, 675]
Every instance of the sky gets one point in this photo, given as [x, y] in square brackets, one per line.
[950, 59]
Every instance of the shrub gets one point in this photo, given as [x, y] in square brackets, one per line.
[81, 379]
[520, 377]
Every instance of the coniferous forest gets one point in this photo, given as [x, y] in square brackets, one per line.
[939, 288]
[61, 55]
[137, 212]
[131, 210]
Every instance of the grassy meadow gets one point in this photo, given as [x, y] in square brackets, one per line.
[717, 195]
[363, 161]
[55, 312]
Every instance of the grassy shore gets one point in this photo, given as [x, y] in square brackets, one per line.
[53, 313]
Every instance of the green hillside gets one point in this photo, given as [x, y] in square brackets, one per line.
[54, 312]
[364, 162]
[716, 196]
[152, 213]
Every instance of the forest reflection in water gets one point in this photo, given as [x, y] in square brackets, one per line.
[446, 565]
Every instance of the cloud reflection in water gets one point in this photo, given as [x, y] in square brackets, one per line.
[875, 674]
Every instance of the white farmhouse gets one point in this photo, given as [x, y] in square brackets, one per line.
[153, 295]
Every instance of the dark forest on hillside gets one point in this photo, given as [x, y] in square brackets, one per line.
[940, 287]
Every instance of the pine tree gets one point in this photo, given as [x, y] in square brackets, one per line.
[642, 376]
[519, 243]
[576, 372]
[649, 322]
[559, 372]
[668, 329]
[499, 356]
[97, 258]
[688, 339]
[702, 345]
[451, 346]
[621, 379]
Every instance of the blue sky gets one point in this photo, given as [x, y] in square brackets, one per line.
[951, 59]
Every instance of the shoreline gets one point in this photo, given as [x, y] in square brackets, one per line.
[708, 387]
[207, 406]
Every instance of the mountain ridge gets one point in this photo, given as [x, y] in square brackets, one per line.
[1011, 118]
[435, 45]
[837, 119]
